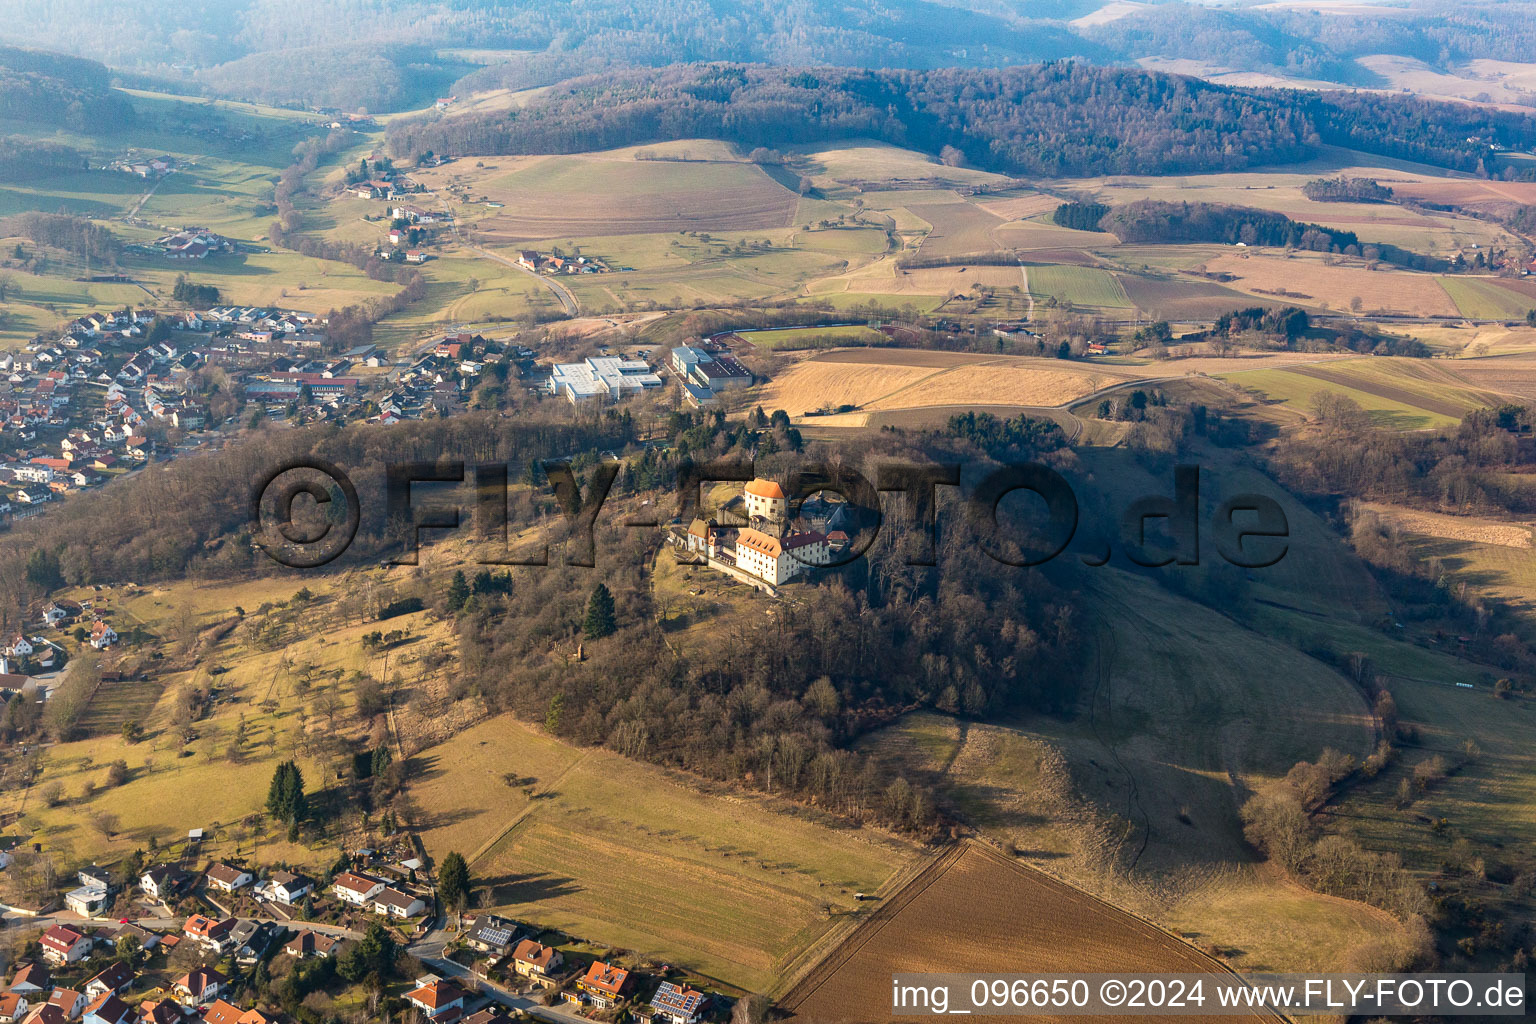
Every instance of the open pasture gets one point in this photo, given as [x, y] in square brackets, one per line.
[994, 916]
[1080, 286]
[800, 337]
[631, 855]
[1486, 298]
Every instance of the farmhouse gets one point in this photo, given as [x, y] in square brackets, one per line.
[102, 635]
[602, 377]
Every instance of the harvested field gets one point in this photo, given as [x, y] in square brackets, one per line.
[1467, 191]
[1473, 529]
[882, 379]
[1512, 375]
[1335, 287]
[1020, 207]
[958, 228]
[1178, 300]
[592, 196]
[993, 916]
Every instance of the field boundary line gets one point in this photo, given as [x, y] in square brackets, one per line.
[520, 816]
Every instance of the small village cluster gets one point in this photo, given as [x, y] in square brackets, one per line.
[539, 263]
[91, 971]
[193, 244]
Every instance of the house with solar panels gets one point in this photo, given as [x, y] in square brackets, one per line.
[492, 934]
[673, 1004]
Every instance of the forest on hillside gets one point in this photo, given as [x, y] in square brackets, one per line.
[1053, 119]
[53, 90]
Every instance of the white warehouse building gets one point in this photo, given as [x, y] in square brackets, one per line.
[607, 377]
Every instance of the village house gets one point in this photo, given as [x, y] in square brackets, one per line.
[602, 986]
[68, 1001]
[398, 904]
[492, 934]
[115, 980]
[220, 1012]
[47, 1014]
[162, 881]
[212, 935]
[536, 961]
[13, 1007]
[307, 945]
[63, 945]
[227, 878]
[358, 890]
[439, 1000]
[31, 980]
[108, 1009]
[88, 900]
[674, 1004]
[200, 987]
[288, 888]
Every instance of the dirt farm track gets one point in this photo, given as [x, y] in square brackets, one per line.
[973, 910]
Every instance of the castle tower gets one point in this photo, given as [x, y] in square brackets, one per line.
[766, 500]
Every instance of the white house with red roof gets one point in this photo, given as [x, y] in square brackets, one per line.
[440, 1000]
[63, 945]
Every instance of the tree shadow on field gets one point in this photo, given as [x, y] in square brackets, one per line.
[513, 888]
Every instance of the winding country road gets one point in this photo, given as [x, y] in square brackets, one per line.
[572, 307]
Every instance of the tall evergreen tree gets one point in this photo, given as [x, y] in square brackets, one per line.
[600, 621]
[285, 797]
[453, 880]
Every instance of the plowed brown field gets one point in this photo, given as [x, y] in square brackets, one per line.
[975, 911]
